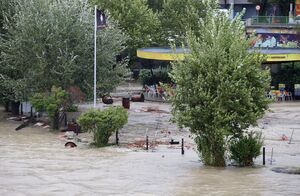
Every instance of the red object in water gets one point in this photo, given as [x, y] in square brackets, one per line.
[126, 103]
[284, 137]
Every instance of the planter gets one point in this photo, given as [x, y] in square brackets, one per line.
[138, 98]
[126, 103]
[107, 100]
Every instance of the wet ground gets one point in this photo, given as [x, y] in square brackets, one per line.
[33, 161]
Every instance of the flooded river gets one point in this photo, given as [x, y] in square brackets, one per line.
[33, 161]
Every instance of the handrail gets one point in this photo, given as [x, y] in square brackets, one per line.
[272, 20]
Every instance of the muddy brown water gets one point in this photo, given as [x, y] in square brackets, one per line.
[33, 161]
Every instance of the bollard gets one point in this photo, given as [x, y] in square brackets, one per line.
[66, 119]
[271, 157]
[264, 156]
[117, 137]
[182, 146]
[21, 105]
[147, 142]
[31, 112]
[291, 137]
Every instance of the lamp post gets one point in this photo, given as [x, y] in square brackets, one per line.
[95, 57]
[100, 22]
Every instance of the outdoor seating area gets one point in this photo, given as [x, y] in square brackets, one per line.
[280, 95]
[159, 92]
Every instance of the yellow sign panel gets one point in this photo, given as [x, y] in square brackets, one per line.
[160, 56]
[283, 57]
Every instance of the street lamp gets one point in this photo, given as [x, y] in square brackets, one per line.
[100, 23]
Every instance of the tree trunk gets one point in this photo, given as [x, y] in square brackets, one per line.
[7, 106]
[55, 121]
[15, 108]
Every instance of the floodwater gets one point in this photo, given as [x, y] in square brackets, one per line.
[33, 161]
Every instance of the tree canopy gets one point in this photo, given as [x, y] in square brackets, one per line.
[151, 23]
[50, 43]
[139, 21]
[179, 16]
[220, 86]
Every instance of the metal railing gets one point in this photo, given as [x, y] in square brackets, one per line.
[272, 20]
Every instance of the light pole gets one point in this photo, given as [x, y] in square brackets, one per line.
[100, 22]
[95, 57]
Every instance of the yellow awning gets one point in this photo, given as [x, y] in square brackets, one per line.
[168, 54]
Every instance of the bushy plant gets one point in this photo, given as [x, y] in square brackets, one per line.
[245, 148]
[51, 103]
[102, 123]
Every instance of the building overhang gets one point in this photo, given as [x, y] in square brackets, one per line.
[168, 54]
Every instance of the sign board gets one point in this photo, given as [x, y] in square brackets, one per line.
[257, 7]
[281, 86]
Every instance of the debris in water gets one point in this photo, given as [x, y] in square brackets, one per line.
[70, 145]
[284, 137]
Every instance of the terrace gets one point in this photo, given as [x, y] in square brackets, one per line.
[273, 21]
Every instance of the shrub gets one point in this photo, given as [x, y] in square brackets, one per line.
[72, 108]
[244, 149]
[51, 103]
[102, 123]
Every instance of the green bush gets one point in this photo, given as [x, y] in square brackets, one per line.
[72, 108]
[51, 103]
[102, 123]
[244, 149]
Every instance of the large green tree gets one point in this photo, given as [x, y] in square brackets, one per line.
[220, 85]
[140, 22]
[50, 43]
[179, 16]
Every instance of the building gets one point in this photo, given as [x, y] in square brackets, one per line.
[239, 5]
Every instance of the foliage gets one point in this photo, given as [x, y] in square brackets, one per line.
[140, 23]
[244, 149]
[50, 103]
[159, 75]
[51, 42]
[103, 123]
[72, 108]
[220, 86]
[155, 5]
[179, 16]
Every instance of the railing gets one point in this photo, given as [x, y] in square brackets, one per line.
[272, 20]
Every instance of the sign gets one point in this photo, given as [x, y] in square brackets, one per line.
[297, 86]
[257, 7]
[281, 86]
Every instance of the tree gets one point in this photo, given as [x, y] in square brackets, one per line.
[50, 43]
[6, 13]
[220, 86]
[140, 23]
[179, 16]
[51, 103]
[155, 5]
